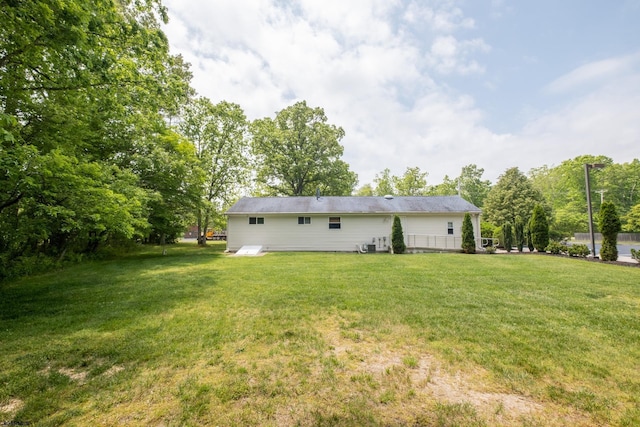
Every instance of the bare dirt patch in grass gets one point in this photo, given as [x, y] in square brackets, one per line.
[74, 374]
[12, 406]
[401, 369]
[113, 370]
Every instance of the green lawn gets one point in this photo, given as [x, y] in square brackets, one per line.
[198, 337]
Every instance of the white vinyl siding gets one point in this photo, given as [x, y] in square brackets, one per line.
[283, 233]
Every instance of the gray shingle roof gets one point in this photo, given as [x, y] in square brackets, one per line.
[345, 205]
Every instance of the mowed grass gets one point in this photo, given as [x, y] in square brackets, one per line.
[198, 337]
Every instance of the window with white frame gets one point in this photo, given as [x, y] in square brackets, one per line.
[450, 227]
[334, 222]
[304, 220]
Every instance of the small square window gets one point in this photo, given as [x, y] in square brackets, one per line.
[450, 228]
[256, 220]
[304, 220]
[334, 222]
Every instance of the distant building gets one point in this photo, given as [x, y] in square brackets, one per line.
[348, 224]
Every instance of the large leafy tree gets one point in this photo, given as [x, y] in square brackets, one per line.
[469, 185]
[632, 219]
[83, 86]
[563, 188]
[384, 183]
[299, 152]
[512, 196]
[412, 183]
[219, 135]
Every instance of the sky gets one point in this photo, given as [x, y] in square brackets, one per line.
[437, 84]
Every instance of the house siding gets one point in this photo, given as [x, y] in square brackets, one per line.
[283, 233]
[364, 221]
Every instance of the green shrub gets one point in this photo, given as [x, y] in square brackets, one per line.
[609, 225]
[498, 238]
[518, 230]
[507, 234]
[397, 236]
[490, 249]
[557, 248]
[635, 254]
[539, 229]
[468, 239]
[579, 250]
[527, 234]
[486, 229]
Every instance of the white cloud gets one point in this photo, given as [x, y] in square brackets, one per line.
[448, 55]
[594, 73]
[376, 66]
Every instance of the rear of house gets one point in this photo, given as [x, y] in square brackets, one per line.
[347, 224]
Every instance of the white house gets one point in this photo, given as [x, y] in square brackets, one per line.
[348, 223]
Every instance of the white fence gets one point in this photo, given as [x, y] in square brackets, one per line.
[448, 242]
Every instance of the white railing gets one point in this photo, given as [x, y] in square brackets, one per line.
[433, 241]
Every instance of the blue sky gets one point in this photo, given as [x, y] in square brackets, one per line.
[437, 84]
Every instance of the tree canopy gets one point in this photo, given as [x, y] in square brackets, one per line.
[219, 134]
[412, 183]
[512, 196]
[86, 89]
[298, 152]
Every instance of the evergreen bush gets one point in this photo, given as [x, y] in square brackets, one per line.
[507, 236]
[557, 248]
[609, 225]
[579, 250]
[635, 254]
[539, 228]
[518, 229]
[527, 233]
[397, 236]
[468, 239]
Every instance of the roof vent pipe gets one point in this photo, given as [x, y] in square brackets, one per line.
[388, 196]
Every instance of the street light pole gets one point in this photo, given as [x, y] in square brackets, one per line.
[588, 166]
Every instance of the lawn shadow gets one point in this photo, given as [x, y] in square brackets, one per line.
[92, 318]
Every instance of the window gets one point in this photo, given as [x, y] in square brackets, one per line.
[334, 222]
[304, 220]
[450, 228]
[256, 220]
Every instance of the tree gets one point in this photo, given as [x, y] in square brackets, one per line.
[448, 187]
[384, 183]
[512, 195]
[507, 236]
[412, 183]
[365, 190]
[219, 135]
[563, 188]
[468, 239]
[633, 220]
[519, 232]
[166, 170]
[469, 185]
[527, 234]
[397, 236]
[539, 228]
[472, 187]
[299, 152]
[609, 225]
[84, 87]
